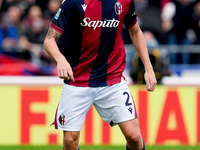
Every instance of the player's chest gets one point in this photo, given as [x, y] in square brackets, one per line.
[102, 9]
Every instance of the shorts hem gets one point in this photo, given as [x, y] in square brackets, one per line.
[122, 120]
[72, 130]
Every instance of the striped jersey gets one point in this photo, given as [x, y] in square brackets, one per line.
[92, 38]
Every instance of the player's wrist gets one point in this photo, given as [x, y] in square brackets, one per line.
[148, 68]
[60, 58]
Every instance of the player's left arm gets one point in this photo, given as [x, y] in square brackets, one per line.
[140, 45]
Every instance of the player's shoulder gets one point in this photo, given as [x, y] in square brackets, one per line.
[69, 4]
[126, 2]
[64, 2]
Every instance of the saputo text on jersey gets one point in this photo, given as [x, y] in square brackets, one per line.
[99, 23]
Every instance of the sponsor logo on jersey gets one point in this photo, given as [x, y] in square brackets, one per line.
[87, 22]
[118, 8]
[84, 6]
[57, 14]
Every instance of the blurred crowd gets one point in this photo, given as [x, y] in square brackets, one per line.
[23, 27]
[24, 24]
[175, 23]
[181, 21]
[170, 21]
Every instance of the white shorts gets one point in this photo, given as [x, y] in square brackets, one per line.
[113, 103]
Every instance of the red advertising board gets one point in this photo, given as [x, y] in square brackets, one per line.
[169, 115]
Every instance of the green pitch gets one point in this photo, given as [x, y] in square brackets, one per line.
[98, 148]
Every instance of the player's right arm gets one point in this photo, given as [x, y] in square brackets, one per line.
[50, 45]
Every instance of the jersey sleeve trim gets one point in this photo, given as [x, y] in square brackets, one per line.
[128, 27]
[57, 28]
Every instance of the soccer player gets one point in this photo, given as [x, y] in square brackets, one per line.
[92, 66]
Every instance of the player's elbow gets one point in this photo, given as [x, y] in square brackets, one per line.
[47, 42]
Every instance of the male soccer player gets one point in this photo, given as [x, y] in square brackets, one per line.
[92, 65]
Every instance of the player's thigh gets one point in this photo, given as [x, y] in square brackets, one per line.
[130, 128]
[115, 103]
[73, 107]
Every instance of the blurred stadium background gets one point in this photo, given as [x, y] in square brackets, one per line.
[30, 89]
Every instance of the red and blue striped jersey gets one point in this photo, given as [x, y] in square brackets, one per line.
[92, 39]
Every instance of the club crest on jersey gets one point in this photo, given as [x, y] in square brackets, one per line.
[57, 14]
[118, 8]
[62, 119]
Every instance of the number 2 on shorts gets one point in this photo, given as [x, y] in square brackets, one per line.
[127, 100]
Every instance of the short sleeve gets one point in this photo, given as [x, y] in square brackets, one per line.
[60, 20]
[131, 17]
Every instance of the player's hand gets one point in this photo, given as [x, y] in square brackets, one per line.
[64, 69]
[150, 80]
